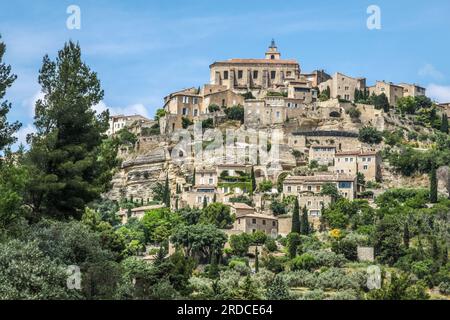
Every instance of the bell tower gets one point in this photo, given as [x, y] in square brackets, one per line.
[272, 53]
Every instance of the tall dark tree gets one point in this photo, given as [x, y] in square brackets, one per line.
[253, 180]
[304, 223]
[65, 159]
[406, 235]
[444, 123]
[167, 192]
[296, 218]
[7, 130]
[433, 186]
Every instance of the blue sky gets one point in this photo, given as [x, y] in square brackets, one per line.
[143, 50]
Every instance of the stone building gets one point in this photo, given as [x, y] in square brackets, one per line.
[119, 122]
[255, 74]
[412, 90]
[323, 154]
[313, 202]
[240, 209]
[393, 92]
[445, 108]
[342, 86]
[250, 223]
[317, 77]
[354, 162]
[346, 184]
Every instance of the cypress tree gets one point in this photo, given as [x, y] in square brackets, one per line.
[205, 203]
[444, 124]
[406, 235]
[433, 186]
[215, 198]
[193, 178]
[256, 260]
[253, 180]
[167, 192]
[304, 224]
[296, 218]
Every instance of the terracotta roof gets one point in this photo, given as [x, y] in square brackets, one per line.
[320, 178]
[256, 61]
[356, 153]
[256, 215]
[241, 206]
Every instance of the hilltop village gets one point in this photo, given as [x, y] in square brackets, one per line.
[321, 118]
[266, 183]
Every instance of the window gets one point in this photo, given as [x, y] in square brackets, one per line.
[211, 181]
[278, 114]
[240, 74]
[264, 222]
[195, 112]
[254, 221]
[225, 75]
[366, 167]
[272, 57]
[288, 73]
[369, 159]
[364, 159]
[309, 203]
[309, 188]
[195, 100]
[345, 185]
[289, 189]
[185, 99]
[185, 111]
[255, 74]
[239, 221]
[273, 74]
[274, 223]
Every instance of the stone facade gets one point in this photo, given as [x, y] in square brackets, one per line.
[346, 184]
[250, 223]
[255, 74]
[354, 162]
[412, 90]
[393, 92]
[342, 86]
[324, 155]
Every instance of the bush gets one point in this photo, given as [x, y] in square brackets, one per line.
[271, 245]
[304, 262]
[370, 135]
[444, 288]
[354, 113]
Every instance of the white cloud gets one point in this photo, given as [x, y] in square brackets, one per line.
[439, 93]
[30, 103]
[21, 135]
[133, 109]
[430, 71]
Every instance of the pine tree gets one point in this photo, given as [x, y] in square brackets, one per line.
[67, 156]
[253, 180]
[304, 223]
[296, 218]
[433, 186]
[444, 124]
[7, 130]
